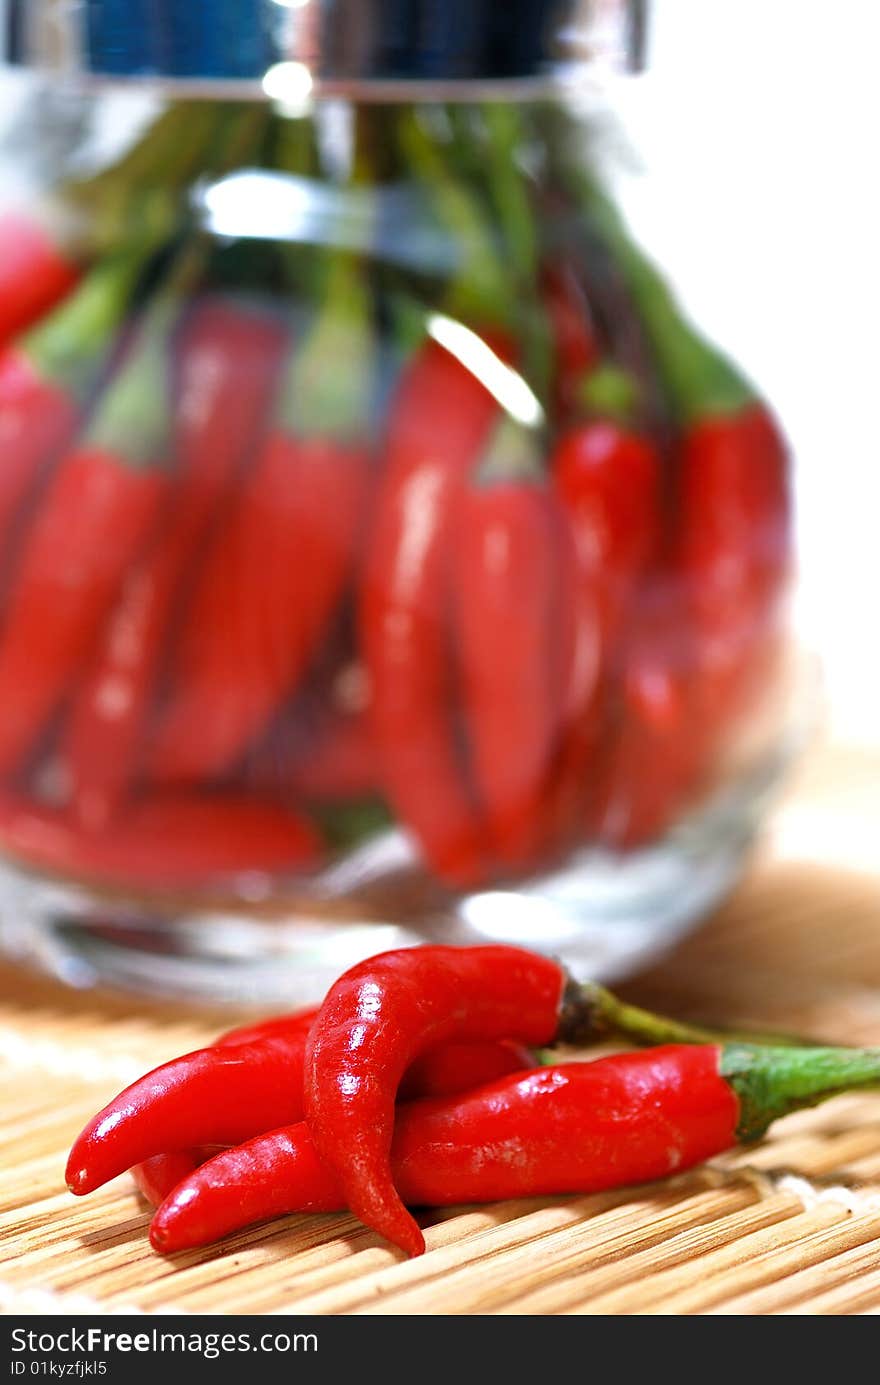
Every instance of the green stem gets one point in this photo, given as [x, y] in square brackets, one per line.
[609, 391]
[772, 1082]
[328, 390]
[513, 453]
[479, 289]
[328, 387]
[507, 186]
[592, 1012]
[133, 416]
[70, 346]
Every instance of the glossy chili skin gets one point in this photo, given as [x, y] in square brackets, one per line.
[508, 592]
[269, 585]
[571, 1128]
[227, 359]
[377, 1019]
[34, 274]
[164, 840]
[205, 1098]
[440, 418]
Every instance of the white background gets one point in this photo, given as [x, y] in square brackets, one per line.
[768, 142]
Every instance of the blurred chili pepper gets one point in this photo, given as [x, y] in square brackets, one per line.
[571, 1128]
[440, 419]
[507, 580]
[164, 841]
[608, 476]
[35, 274]
[652, 757]
[340, 763]
[733, 546]
[257, 614]
[46, 380]
[228, 360]
[94, 517]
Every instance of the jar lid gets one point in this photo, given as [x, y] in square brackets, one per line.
[340, 43]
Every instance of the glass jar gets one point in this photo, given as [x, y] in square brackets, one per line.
[385, 555]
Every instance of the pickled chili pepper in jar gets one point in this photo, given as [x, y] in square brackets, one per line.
[428, 566]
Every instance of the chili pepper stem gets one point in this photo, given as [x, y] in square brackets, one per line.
[329, 380]
[591, 1012]
[66, 345]
[771, 1082]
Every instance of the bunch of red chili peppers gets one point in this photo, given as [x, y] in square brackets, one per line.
[415, 1084]
[297, 543]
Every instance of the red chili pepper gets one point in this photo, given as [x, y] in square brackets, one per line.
[734, 520]
[734, 558]
[257, 614]
[229, 355]
[573, 1128]
[609, 479]
[164, 841]
[734, 531]
[444, 1071]
[377, 1019]
[45, 380]
[652, 758]
[508, 544]
[34, 273]
[249, 1080]
[157, 1177]
[441, 416]
[101, 504]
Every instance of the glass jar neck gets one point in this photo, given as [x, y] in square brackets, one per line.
[369, 49]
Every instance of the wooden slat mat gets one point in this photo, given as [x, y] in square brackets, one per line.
[789, 1227]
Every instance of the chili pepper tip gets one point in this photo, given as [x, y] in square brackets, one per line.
[77, 1182]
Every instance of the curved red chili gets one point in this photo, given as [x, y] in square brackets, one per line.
[382, 1014]
[228, 358]
[440, 1072]
[572, 1128]
[440, 418]
[377, 1019]
[507, 580]
[211, 1098]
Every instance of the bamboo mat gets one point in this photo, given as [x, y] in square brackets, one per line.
[789, 1227]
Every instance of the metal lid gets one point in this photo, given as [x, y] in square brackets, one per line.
[341, 43]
